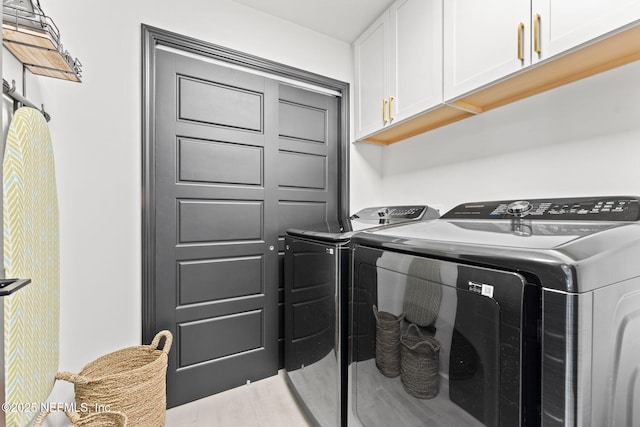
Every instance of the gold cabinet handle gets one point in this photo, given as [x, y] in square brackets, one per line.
[384, 110]
[536, 34]
[391, 108]
[521, 41]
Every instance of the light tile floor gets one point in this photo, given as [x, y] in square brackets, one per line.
[264, 403]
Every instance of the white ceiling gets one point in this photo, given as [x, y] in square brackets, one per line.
[341, 19]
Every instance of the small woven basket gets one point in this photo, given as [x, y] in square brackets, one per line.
[387, 342]
[98, 419]
[419, 364]
[131, 380]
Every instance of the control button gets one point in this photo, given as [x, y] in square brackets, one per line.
[583, 211]
[519, 208]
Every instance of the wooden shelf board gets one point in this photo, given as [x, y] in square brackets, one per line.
[38, 52]
[432, 119]
[58, 74]
[27, 35]
[594, 58]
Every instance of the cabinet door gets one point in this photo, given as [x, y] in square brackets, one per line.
[569, 23]
[416, 57]
[371, 53]
[483, 41]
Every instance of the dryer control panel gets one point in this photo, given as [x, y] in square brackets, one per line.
[614, 208]
[395, 213]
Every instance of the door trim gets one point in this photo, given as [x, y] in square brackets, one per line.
[153, 37]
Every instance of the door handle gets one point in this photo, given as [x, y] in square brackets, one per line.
[391, 98]
[521, 41]
[384, 110]
[536, 34]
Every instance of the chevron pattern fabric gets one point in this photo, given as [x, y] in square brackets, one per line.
[31, 250]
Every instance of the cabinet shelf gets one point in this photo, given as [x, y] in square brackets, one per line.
[605, 53]
[421, 123]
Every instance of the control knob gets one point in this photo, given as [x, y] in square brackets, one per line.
[519, 208]
[383, 212]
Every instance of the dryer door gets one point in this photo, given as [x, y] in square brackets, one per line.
[440, 343]
[313, 360]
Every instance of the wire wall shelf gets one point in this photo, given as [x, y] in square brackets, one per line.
[33, 38]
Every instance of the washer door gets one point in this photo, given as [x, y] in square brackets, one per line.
[437, 343]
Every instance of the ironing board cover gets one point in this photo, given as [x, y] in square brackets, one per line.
[31, 250]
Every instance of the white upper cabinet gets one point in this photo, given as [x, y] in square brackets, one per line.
[427, 63]
[398, 65]
[416, 57]
[371, 53]
[484, 41]
[562, 25]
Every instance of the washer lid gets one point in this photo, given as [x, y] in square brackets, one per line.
[566, 248]
[515, 233]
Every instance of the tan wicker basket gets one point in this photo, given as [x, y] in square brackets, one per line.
[98, 419]
[131, 380]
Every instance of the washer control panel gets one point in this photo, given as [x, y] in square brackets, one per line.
[616, 208]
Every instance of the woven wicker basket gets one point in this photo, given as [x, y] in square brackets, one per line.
[98, 419]
[387, 342]
[419, 364]
[131, 380]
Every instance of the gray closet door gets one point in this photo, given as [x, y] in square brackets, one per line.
[238, 159]
[308, 169]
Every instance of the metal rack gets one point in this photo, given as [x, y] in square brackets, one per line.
[33, 38]
[18, 100]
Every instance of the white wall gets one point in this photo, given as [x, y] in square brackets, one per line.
[366, 176]
[96, 131]
[577, 140]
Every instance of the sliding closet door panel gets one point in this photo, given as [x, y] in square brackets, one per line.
[238, 159]
[308, 167]
[308, 154]
[216, 224]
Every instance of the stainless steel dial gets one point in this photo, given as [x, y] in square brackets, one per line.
[519, 208]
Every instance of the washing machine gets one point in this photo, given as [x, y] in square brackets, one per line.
[317, 272]
[507, 313]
